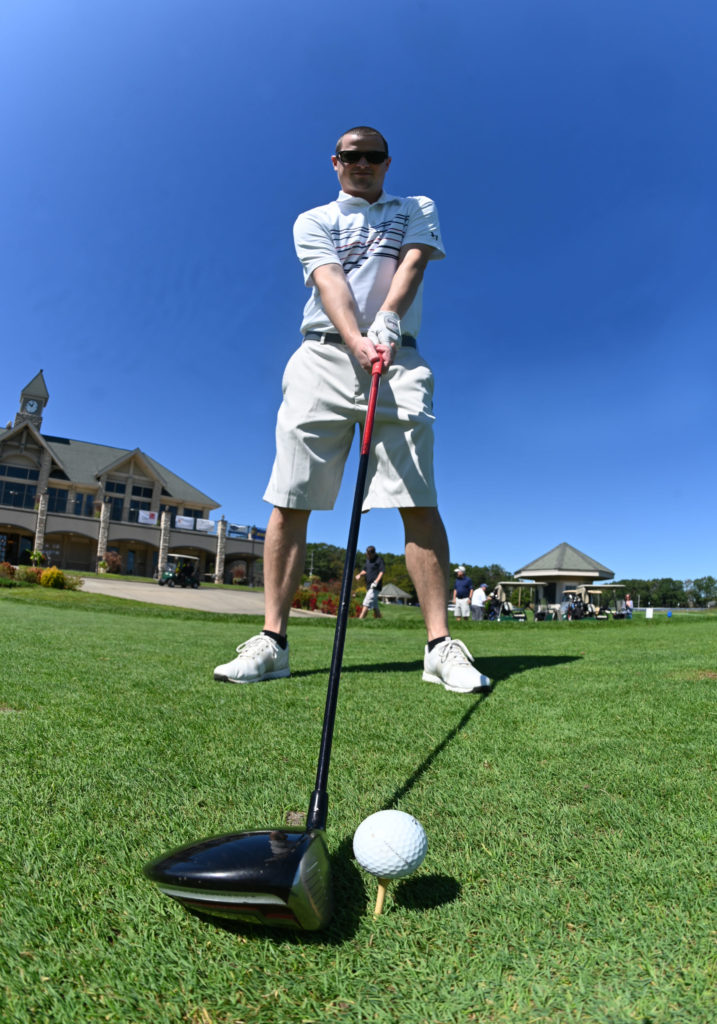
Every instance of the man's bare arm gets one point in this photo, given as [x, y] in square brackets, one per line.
[412, 262]
[339, 306]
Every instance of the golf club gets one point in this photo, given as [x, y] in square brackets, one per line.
[278, 877]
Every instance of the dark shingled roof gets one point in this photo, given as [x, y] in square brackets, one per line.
[84, 462]
[565, 558]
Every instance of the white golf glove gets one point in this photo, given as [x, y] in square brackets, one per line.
[386, 329]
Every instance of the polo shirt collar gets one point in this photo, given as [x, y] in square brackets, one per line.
[346, 199]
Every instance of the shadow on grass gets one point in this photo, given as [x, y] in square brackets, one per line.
[438, 749]
[426, 892]
[499, 669]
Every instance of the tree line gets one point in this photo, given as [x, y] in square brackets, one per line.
[669, 593]
[326, 562]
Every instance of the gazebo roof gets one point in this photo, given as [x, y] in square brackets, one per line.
[391, 590]
[565, 561]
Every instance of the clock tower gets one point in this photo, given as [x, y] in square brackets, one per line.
[33, 399]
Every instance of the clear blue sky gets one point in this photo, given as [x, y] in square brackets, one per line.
[156, 154]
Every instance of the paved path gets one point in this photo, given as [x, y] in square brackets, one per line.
[238, 601]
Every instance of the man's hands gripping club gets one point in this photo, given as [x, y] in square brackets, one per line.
[383, 338]
[385, 329]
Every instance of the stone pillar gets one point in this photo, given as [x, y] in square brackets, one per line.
[104, 530]
[165, 527]
[221, 550]
[41, 521]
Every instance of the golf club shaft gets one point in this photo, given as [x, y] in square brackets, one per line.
[318, 807]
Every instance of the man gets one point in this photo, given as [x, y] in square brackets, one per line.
[478, 601]
[462, 594]
[373, 570]
[363, 256]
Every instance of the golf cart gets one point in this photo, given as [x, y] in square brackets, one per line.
[572, 605]
[607, 600]
[180, 571]
[590, 602]
[502, 605]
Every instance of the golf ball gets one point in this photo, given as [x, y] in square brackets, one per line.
[390, 844]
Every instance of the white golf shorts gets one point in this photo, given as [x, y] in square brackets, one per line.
[325, 399]
[371, 599]
[463, 608]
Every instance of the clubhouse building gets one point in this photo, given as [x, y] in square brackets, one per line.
[76, 501]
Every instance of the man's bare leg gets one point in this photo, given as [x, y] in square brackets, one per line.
[449, 662]
[284, 559]
[427, 563]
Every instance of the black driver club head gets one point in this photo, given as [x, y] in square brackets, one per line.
[276, 877]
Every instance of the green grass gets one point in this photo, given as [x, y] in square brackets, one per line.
[570, 818]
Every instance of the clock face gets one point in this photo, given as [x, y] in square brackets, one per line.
[31, 405]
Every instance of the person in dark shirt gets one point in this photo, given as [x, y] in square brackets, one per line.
[462, 594]
[373, 571]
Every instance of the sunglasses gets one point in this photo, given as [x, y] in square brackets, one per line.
[352, 156]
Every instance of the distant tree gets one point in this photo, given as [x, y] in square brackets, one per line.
[664, 593]
[668, 593]
[326, 561]
[639, 591]
[702, 592]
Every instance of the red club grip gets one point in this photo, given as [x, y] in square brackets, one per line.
[376, 368]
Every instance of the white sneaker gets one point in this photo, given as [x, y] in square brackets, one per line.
[257, 659]
[450, 663]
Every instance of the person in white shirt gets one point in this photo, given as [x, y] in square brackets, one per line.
[478, 600]
[363, 256]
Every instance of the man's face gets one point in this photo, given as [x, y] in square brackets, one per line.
[362, 179]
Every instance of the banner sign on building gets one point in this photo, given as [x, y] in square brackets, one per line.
[205, 525]
[184, 522]
[257, 534]
[238, 532]
[149, 518]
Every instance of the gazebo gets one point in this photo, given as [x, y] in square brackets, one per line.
[563, 568]
[391, 594]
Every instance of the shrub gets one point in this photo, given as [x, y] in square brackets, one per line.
[322, 597]
[7, 570]
[28, 574]
[73, 581]
[53, 577]
[112, 561]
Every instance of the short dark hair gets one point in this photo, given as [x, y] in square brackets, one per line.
[370, 550]
[363, 130]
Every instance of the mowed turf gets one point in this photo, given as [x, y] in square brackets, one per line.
[570, 819]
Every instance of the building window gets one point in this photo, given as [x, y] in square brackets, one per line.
[20, 472]
[195, 513]
[142, 492]
[135, 507]
[56, 499]
[17, 495]
[112, 487]
[84, 504]
[116, 509]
